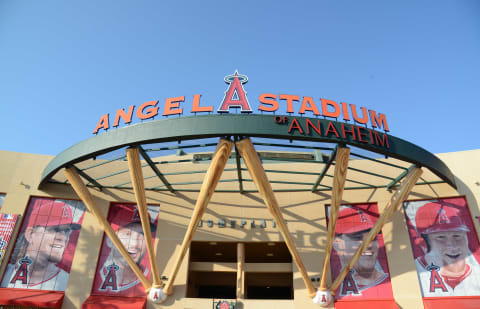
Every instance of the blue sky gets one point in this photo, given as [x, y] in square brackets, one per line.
[64, 64]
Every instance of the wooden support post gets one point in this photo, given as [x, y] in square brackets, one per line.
[240, 270]
[219, 160]
[136, 174]
[88, 200]
[340, 175]
[394, 204]
[255, 168]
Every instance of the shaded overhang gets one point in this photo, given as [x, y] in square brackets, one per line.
[282, 132]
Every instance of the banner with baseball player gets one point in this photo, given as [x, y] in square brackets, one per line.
[445, 247]
[7, 225]
[113, 275]
[369, 278]
[44, 249]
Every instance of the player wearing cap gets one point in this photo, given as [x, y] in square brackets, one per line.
[116, 275]
[40, 247]
[353, 225]
[445, 270]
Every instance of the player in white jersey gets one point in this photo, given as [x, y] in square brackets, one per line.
[40, 248]
[448, 268]
[116, 274]
[353, 225]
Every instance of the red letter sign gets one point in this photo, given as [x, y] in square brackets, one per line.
[235, 96]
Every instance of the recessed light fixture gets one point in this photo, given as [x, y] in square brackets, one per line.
[271, 244]
[270, 254]
[212, 243]
[219, 253]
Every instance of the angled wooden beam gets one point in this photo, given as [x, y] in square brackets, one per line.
[325, 169]
[219, 160]
[254, 166]
[136, 174]
[393, 205]
[87, 177]
[88, 200]
[155, 169]
[339, 177]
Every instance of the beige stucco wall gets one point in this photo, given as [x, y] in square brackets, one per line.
[304, 212]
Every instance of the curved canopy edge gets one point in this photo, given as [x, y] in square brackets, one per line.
[267, 126]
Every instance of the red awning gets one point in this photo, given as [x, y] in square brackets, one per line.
[31, 298]
[457, 302]
[112, 302]
[367, 304]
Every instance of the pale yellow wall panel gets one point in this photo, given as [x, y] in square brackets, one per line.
[403, 274]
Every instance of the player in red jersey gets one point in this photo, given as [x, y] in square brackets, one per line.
[40, 248]
[114, 275]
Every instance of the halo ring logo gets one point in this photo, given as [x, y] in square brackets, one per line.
[242, 78]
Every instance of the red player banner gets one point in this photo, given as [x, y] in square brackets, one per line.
[370, 277]
[45, 246]
[113, 275]
[7, 225]
[445, 247]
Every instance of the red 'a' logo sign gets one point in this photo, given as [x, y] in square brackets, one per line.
[235, 96]
[111, 278]
[324, 299]
[136, 215]
[436, 281]
[443, 218]
[22, 272]
[349, 286]
[363, 217]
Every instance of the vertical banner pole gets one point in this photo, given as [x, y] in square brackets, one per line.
[136, 174]
[88, 200]
[340, 175]
[219, 160]
[393, 205]
[240, 270]
[254, 166]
